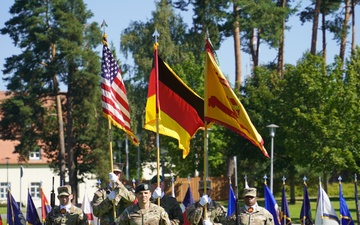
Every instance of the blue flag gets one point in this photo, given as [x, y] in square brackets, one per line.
[188, 200]
[14, 214]
[232, 202]
[32, 217]
[285, 213]
[271, 205]
[345, 215]
[305, 214]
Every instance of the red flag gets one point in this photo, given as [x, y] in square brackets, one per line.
[114, 100]
[180, 109]
[45, 206]
[1, 220]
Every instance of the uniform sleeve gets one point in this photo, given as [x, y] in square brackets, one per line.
[101, 204]
[220, 214]
[270, 218]
[48, 218]
[175, 214]
[123, 193]
[123, 219]
[82, 219]
[164, 218]
[194, 214]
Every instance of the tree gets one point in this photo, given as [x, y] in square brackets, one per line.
[57, 47]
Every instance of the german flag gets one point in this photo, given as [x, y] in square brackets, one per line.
[180, 109]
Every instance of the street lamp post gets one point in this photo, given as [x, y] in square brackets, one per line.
[138, 157]
[272, 128]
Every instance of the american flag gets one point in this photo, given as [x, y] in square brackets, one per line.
[114, 101]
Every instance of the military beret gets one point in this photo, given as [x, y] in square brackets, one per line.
[154, 179]
[250, 192]
[142, 187]
[64, 190]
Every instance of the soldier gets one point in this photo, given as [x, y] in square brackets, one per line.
[66, 213]
[169, 203]
[104, 197]
[216, 213]
[251, 212]
[144, 212]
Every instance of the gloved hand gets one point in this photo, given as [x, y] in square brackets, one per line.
[203, 200]
[112, 195]
[157, 193]
[207, 222]
[113, 177]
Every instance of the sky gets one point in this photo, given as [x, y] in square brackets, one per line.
[119, 14]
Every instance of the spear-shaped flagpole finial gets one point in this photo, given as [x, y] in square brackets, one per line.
[246, 182]
[103, 24]
[188, 179]
[283, 180]
[339, 179]
[355, 179]
[265, 178]
[305, 179]
[99, 183]
[156, 35]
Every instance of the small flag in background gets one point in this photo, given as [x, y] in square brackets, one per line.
[14, 214]
[232, 202]
[88, 210]
[305, 214]
[114, 100]
[1, 220]
[345, 215]
[356, 198]
[32, 217]
[271, 205]
[45, 206]
[285, 213]
[188, 200]
[325, 212]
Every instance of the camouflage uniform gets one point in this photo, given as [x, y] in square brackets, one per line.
[103, 207]
[173, 209]
[260, 216]
[216, 213]
[75, 217]
[154, 215]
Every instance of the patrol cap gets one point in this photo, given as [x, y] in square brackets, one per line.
[154, 179]
[201, 184]
[142, 187]
[250, 192]
[118, 167]
[64, 190]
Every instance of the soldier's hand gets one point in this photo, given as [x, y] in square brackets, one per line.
[112, 195]
[207, 222]
[204, 200]
[113, 178]
[157, 193]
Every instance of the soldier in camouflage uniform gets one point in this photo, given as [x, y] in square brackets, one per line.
[66, 213]
[252, 213]
[104, 197]
[216, 213]
[169, 203]
[144, 212]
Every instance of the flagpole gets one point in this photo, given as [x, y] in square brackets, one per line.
[111, 164]
[156, 35]
[356, 198]
[205, 166]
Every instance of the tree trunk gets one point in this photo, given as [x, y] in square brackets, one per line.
[237, 48]
[323, 36]
[353, 27]
[344, 31]
[60, 122]
[280, 65]
[315, 27]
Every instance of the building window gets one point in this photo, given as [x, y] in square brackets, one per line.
[35, 189]
[3, 190]
[35, 155]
